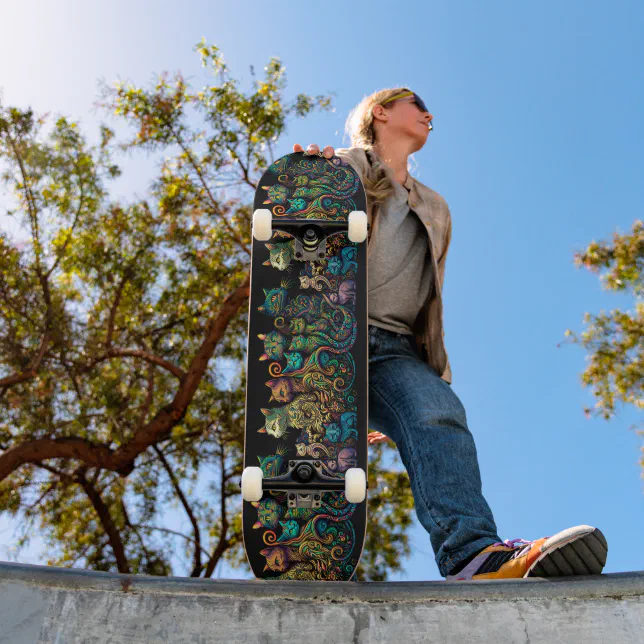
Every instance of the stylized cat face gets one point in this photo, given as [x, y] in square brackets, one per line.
[335, 265]
[277, 193]
[274, 302]
[347, 292]
[269, 512]
[274, 345]
[281, 389]
[276, 558]
[281, 254]
[347, 458]
[349, 420]
[333, 432]
[276, 422]
[272, 464]
[293, 362]
[349, 255]
[297, 205]
[290, 529]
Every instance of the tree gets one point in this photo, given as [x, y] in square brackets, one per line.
[615, 340]
[118, 322]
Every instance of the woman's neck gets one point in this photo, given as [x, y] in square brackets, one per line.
[395, 158]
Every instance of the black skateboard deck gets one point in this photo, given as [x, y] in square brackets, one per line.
[307, 369]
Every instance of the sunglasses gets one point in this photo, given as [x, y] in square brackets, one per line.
[417, 99]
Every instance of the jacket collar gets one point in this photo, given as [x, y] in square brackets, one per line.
[409, 182]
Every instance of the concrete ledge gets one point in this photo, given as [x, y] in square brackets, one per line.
[42, 604]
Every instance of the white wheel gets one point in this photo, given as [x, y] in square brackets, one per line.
[251, 483]
[357, 226]
[262, 224]
[355, 485]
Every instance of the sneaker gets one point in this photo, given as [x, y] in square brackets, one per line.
[580, 550]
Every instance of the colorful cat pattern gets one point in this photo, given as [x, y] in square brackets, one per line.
[310, 372]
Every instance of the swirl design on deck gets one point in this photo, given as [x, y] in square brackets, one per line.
[310, 370]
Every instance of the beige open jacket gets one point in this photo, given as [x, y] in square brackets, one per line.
[432, 210]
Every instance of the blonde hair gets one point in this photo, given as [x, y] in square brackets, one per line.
[359, 127]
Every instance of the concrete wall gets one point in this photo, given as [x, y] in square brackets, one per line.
[65, 606]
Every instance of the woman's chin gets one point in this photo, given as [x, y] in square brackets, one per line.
[419, 141]
[420, 135]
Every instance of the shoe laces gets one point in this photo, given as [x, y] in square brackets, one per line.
[520, 550]
[511, 544]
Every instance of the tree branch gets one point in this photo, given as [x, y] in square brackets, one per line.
[107, 522]
[149, 357]
[122, 459]
[63, 248]
[115, 305]
[224, 543]
[196, 570]
[197, 169]
[32, 370]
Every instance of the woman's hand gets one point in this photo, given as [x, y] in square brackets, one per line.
[314, 149]
[376, 437]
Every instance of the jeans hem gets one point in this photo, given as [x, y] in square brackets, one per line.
[450, 563]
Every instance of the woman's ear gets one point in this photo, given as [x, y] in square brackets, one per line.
[380, 112]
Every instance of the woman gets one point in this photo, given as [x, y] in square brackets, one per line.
[410, 395]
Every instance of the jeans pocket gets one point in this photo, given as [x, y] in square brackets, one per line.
[374, 339]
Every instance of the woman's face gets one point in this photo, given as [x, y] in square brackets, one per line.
[404, 118]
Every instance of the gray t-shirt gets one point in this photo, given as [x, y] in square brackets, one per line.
[400, 269]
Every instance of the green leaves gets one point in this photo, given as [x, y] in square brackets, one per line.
[123, 329]
[389, 514]
[615, 339]
[624, 259]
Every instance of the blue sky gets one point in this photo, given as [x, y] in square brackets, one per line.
[537, 148]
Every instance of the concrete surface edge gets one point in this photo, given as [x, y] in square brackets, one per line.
[583, 587]
[43, 604]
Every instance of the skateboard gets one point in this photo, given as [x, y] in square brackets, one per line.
[304, 482]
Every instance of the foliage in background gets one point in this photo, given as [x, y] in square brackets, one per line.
[120, 325]
[615, 340]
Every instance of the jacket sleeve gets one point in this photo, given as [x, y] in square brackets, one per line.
[448, 237]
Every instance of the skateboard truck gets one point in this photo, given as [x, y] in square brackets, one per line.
[310, 235]
[304, 481]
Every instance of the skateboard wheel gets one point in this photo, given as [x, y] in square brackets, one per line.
[262, 224]
[355, 485]
[251, 483]
[357, 226]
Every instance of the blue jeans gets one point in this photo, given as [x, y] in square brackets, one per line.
[412, 405]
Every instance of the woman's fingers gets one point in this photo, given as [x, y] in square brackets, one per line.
[376, 437]
[314, 149]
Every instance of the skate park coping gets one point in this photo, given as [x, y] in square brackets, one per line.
[66, 605]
